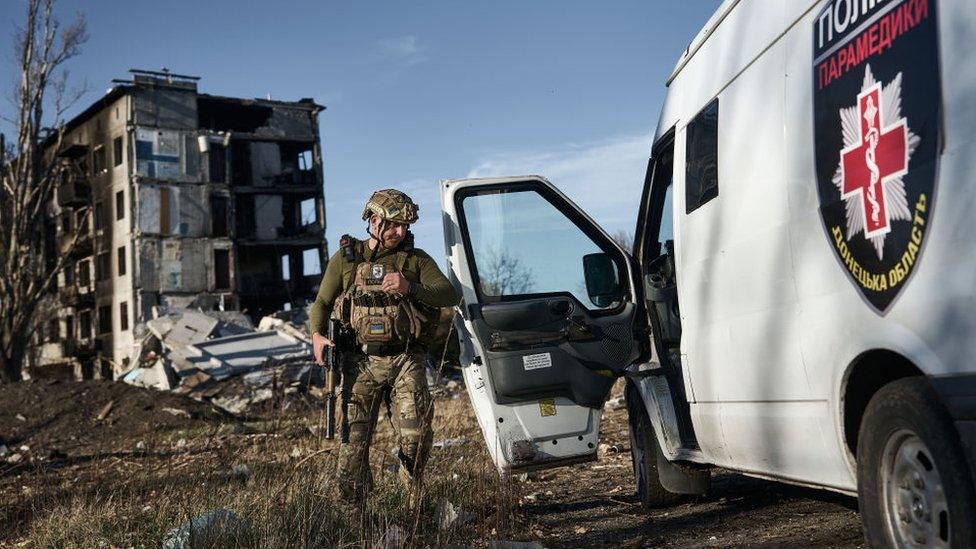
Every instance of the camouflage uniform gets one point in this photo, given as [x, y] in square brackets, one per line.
[391, 370]
[400, 382]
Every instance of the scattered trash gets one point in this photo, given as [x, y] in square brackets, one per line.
[449, 442]
[20, 417]
[4, 451]
[24, 448]
[202, 531]
[446, 514]
[105, 411]
[141, 446]
[15, 458]
[179, 412]
[581, 530]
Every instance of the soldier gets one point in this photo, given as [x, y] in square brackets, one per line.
[387, 293]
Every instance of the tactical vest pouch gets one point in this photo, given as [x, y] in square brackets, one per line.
[374, 315]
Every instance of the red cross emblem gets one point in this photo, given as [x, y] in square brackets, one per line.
[881, 154]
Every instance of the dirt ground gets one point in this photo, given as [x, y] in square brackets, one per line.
[593, 505]
[67, 451]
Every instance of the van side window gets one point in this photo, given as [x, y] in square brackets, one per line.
[701, 151]
[662, 195]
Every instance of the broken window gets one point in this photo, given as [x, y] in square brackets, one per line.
[104, 319]
[120, 205]
[117, 149]
[54, 330]
[98, 160]
[124, 316]
[245, 215]
[99, 216]
[308, 212]
[217, 159]
[305, 160]
[69, 273]
[84, 273]
[240, 156]
[296, 163]
[310, 262]
[69, 325]
[103, 266]
[234, 115]
[218, 215]
[285, 267]
[221, 269]
[84, 325]
[66, 222]
[121, 260]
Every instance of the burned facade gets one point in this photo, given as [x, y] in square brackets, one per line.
[181, 199]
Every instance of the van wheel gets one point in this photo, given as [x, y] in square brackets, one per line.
[914, 486]
[644, 452]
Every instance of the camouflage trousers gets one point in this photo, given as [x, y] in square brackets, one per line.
[399, 382]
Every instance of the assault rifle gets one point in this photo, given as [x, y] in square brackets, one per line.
[333, 364]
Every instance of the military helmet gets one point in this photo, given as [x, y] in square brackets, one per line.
[391, 205]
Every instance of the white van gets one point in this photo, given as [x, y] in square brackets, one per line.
[800, 303]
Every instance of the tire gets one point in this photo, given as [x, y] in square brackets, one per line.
[914, 485]
[644, 452]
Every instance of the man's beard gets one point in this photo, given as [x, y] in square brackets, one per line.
[391, 242]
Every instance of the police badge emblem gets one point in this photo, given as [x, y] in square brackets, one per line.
[877, 109]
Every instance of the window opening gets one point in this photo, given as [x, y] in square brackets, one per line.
[121, 260]
[218, 215]
[99, 216]
[102, 266]
[310, 262]
[285, 268]
[117, 148]
[701, 168]
[523, 244]
[221, 269]
[120, 205]
[98, 160]
[104, 319]
[124, 316]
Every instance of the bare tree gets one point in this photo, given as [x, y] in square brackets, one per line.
[624, 239]
[30, 170]
[503, 274]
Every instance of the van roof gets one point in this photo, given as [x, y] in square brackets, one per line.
[713, 22]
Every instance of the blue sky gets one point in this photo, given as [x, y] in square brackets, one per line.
[421, 91]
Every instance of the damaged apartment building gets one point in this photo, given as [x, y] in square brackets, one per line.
[181, 200]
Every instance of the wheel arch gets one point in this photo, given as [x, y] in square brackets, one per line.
[865, 376]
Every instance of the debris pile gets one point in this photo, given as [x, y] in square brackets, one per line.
[220, 357]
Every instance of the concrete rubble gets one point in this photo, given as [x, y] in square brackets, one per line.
[220, 357]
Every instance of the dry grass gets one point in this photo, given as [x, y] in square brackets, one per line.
[285, 498]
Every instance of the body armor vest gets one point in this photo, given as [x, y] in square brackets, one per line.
[381, 320]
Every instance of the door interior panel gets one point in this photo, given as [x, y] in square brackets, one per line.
[552, 347]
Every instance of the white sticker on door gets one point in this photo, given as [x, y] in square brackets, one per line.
[534, 362]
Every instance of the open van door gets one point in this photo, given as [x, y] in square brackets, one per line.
[547, 320]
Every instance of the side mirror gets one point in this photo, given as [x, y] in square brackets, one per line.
[602, 281]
